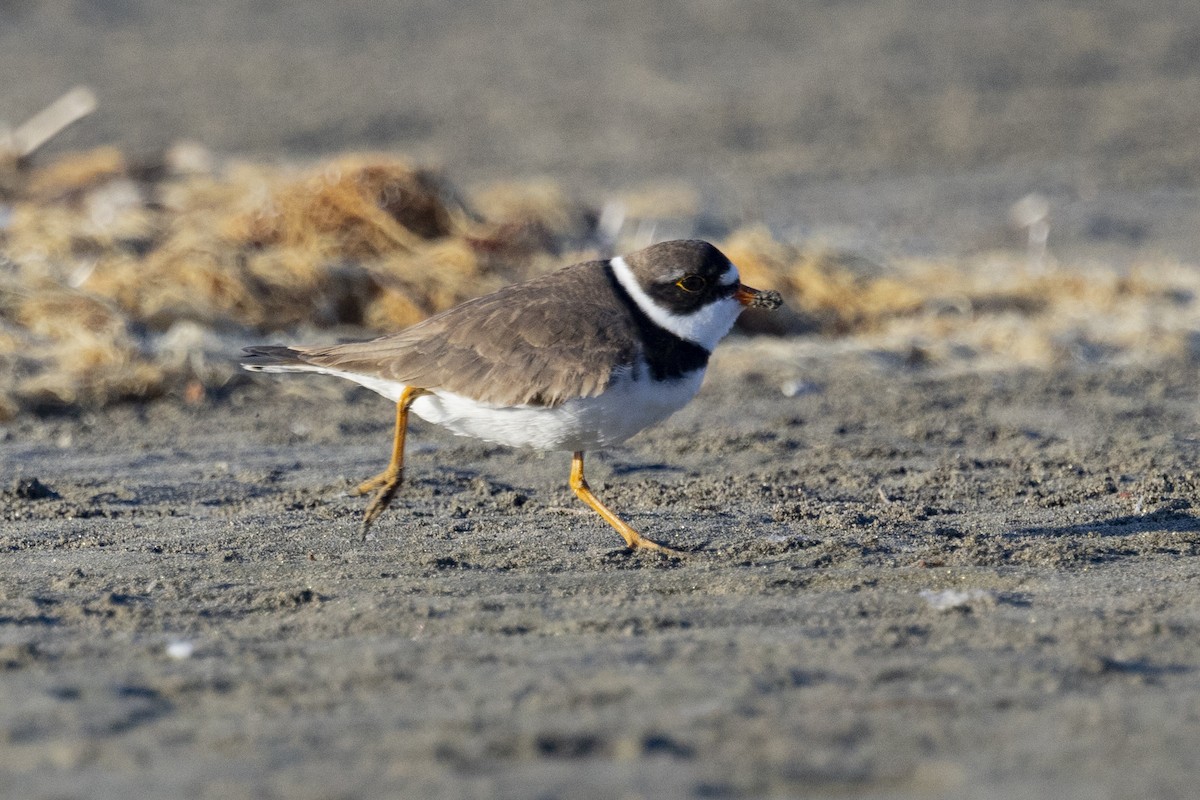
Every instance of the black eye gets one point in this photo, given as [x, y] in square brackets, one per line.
[691, 283]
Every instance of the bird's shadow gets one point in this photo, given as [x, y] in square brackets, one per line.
[626, 558]
[1170, 519]
[630, 469]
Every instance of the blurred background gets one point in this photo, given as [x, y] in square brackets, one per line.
[909, 125]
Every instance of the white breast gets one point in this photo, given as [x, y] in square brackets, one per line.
[586, 423]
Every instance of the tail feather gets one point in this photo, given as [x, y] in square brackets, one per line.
[275, 358]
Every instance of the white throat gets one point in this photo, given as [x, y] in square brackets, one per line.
[706, 326]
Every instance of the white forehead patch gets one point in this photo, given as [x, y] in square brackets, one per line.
[705, 326]
[730, 276]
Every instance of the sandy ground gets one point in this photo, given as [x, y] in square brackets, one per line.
[904, 582]
[903, 585]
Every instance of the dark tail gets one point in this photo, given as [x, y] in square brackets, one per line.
[272, 356]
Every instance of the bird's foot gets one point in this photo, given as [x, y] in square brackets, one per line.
[387, 483]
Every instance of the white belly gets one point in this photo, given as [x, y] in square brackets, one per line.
[583, 424]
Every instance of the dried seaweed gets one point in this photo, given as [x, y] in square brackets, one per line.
[126, 281]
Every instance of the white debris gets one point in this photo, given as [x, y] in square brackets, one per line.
[1032, 213]
[954, 599]
[796, 388]
[180, 649]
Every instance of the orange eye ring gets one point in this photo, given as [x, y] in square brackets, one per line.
[691, 283]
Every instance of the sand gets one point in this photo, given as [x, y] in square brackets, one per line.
[901, 584]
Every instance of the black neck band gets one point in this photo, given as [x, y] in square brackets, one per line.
[667, 355]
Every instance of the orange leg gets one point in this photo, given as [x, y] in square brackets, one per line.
[632, 538]
[388, 481]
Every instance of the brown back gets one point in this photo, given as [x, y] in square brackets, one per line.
[542, 342]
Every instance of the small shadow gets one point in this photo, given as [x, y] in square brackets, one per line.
[1142, 668]
[1015, 599]
[626, 558]
[45, 620]
[630, 469]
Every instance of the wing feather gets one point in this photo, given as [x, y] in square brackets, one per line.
[541, 342]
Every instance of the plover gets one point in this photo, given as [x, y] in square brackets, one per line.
[574, 360]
